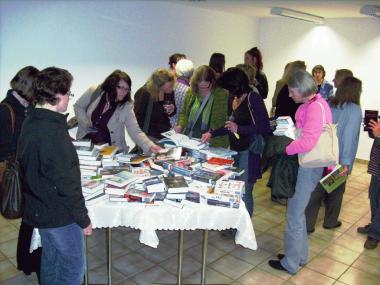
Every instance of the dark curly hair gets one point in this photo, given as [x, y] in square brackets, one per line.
[111, 82]
[235, 81]
[50, 82]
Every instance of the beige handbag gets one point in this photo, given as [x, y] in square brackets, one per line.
[326, 151]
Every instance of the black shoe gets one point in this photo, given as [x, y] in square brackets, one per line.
[276, 264]
[338, 224]
[311, 231]
[281, 201]
[371, 243]
[280, 256]
[364, 230]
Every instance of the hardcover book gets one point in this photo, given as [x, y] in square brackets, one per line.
[109, 151]
[176, 184]
[206, 176]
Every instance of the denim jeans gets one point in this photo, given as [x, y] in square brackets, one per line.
[296, 244]
[241, 161]
[62, 261]
[374, 199]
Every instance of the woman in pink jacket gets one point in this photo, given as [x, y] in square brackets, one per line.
[309, 118]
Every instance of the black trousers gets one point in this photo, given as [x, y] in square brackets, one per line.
[333, 204]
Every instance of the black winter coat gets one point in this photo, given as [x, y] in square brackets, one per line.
[53, 194]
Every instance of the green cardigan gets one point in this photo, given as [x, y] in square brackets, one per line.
[218, 114]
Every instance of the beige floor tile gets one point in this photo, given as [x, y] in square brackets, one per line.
[8, 232]
[213, 253]
[355, 276]
[131, 264]
[189, 265]
[231, 266]
[253, 257]
[341, 254]
[212, 277]
[155, 275]
[260, 277]
[16, 280]
[9, 248]
[368, 264]
[269, 242]
[261, 224]
[8, 270]
[348, 242]
[327, 266]
[307, 276]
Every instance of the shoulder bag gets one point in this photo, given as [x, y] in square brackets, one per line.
[11, 198]
[326, 151]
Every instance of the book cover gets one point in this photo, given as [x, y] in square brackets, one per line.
[176, 184]
[221, 161]
[90, 186]
[206, 176]
[183, 140]
[83, 142]
[169, 154]
[86, 150]
[136, 195]
[98, 198]
[333, 180]
[230, 187]
[121, 179]
[109, 151]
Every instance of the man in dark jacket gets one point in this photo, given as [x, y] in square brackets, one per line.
[53, 197]
[373, 229]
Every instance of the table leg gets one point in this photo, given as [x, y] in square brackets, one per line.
[204, 256]
[109, 255]
[180, 257]
[86, 265]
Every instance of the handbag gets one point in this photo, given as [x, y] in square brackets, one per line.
[11, 198]
[326, 151]
[257, 144]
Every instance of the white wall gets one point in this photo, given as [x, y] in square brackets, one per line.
[341, 43]
[92, 38]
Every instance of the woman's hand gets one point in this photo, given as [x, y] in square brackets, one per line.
[375, 128]
[231, 126]
[88, 230]
[169, 108]
[155, 148]
[345, 171]
[206, 137]
[178, 129]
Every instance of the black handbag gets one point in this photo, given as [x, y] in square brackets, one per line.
[11, 198]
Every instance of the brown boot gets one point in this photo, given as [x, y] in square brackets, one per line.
[371, 243]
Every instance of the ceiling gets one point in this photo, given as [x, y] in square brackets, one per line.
[261, 8]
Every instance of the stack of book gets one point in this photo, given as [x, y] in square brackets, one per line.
[285, 127]
[176, 188]
[89, 158]
[154, 185]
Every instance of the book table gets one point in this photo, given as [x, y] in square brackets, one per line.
[149, 218]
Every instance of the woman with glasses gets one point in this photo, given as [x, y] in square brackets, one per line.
[155, 103]
[205, 107]
[105, 111]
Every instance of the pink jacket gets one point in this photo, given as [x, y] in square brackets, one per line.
[309, 119]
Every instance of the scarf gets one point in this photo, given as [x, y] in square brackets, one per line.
[206, 114]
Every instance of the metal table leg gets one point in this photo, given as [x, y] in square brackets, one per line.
[204, 256]
[86, 265]
[109, 255]
[180, 257]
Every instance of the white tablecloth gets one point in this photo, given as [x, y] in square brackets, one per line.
[149, 218]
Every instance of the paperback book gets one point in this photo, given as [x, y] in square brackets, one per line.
[183, 140]
[176, 184]
[334, 179]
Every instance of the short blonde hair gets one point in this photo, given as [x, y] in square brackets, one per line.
[158, 79]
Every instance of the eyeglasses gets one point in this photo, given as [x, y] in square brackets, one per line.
[123, 88]
[71, 95]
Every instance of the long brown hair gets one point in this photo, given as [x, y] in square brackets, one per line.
[348, 91]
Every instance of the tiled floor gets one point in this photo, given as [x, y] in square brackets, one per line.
[336, 256]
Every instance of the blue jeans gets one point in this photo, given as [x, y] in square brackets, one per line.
[374, 199]
[62, 261]
[296, 245]
[241, 161]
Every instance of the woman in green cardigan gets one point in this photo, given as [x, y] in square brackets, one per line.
[205, 107]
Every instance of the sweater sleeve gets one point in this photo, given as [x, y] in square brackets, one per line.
[349, 137]
[311, 130]
[80, 108]
[134, 131]
[260, 115]
[183, 116]
[141, 102]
